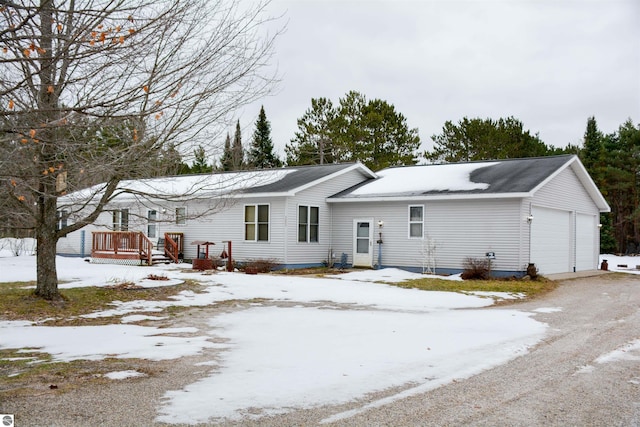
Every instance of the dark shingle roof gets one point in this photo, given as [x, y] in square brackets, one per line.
[518, 175]
[298, 177]
[498, 177]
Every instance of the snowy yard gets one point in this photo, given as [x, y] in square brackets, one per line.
[357, 337]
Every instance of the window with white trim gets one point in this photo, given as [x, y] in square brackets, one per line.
[416, 221]
[62, 217]
[120, 220]
[256, 223]
[181, 216]
[308, 223]
[152, 225]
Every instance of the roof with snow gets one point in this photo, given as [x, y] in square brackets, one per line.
[496, 178]
[265, 182]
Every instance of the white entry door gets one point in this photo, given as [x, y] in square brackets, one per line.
[363, 242]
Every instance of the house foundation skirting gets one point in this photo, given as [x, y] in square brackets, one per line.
[120, 261]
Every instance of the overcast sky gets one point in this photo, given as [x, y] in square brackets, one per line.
[551, 64]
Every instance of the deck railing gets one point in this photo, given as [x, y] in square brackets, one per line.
[174, 246]
[122, 244]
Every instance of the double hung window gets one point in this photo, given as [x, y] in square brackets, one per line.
[308, 223]
[416, 222]
[120, 219]
[181, 216]
[256, 223]
[62, 216]
[152, 225]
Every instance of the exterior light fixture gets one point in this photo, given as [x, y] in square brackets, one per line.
[530, 219]
[381, 223]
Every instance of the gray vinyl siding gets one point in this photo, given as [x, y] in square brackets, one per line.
[460, 229]
[566, 192]
[228, 225]
[315, 252]
[71, 244]
[283, 245]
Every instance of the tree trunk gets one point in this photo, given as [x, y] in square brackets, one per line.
[46, 235]
[47, 286]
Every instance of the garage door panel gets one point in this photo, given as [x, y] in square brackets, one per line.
[551, 240]
[586, 242]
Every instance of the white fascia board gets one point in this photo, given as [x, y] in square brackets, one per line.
[433, 197]
[590, 185]
[260, 195]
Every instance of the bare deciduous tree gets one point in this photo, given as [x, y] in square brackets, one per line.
[99, 88]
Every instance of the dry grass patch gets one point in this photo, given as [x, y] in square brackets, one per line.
[310, 271]
[18, 302]
[27, 372]
[530, 288]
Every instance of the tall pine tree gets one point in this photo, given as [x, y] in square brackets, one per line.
[237, 152]
[483, 139]
[200, 164]
[226, 162]
[313, 142]
[261, 155]
[592, 156]
[593, 148]
[368, 131]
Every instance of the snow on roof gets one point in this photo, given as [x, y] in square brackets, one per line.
[422, 179]
[216, 184]
[223, 183]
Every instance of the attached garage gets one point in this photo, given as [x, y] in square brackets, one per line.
[544, 211]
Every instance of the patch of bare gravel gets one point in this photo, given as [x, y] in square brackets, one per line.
[557, 383]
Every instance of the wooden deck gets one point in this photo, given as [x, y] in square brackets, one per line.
[134, 246]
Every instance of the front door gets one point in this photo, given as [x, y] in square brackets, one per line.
[362, 242]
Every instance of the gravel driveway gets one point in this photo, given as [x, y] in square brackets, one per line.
[558, 383]
[561, 381]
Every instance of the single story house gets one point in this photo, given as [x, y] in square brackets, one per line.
[432, 218]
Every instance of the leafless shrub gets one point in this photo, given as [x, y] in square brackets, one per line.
[475, 269]
[260, 265]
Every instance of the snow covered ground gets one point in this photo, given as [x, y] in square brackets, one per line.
[358, 337]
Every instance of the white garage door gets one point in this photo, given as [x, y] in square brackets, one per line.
[551, 240]
[586, 242]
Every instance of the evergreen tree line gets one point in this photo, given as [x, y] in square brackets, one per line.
[356, 130]
[613, 161]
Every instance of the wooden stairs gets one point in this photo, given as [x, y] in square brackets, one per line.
[135, 246]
